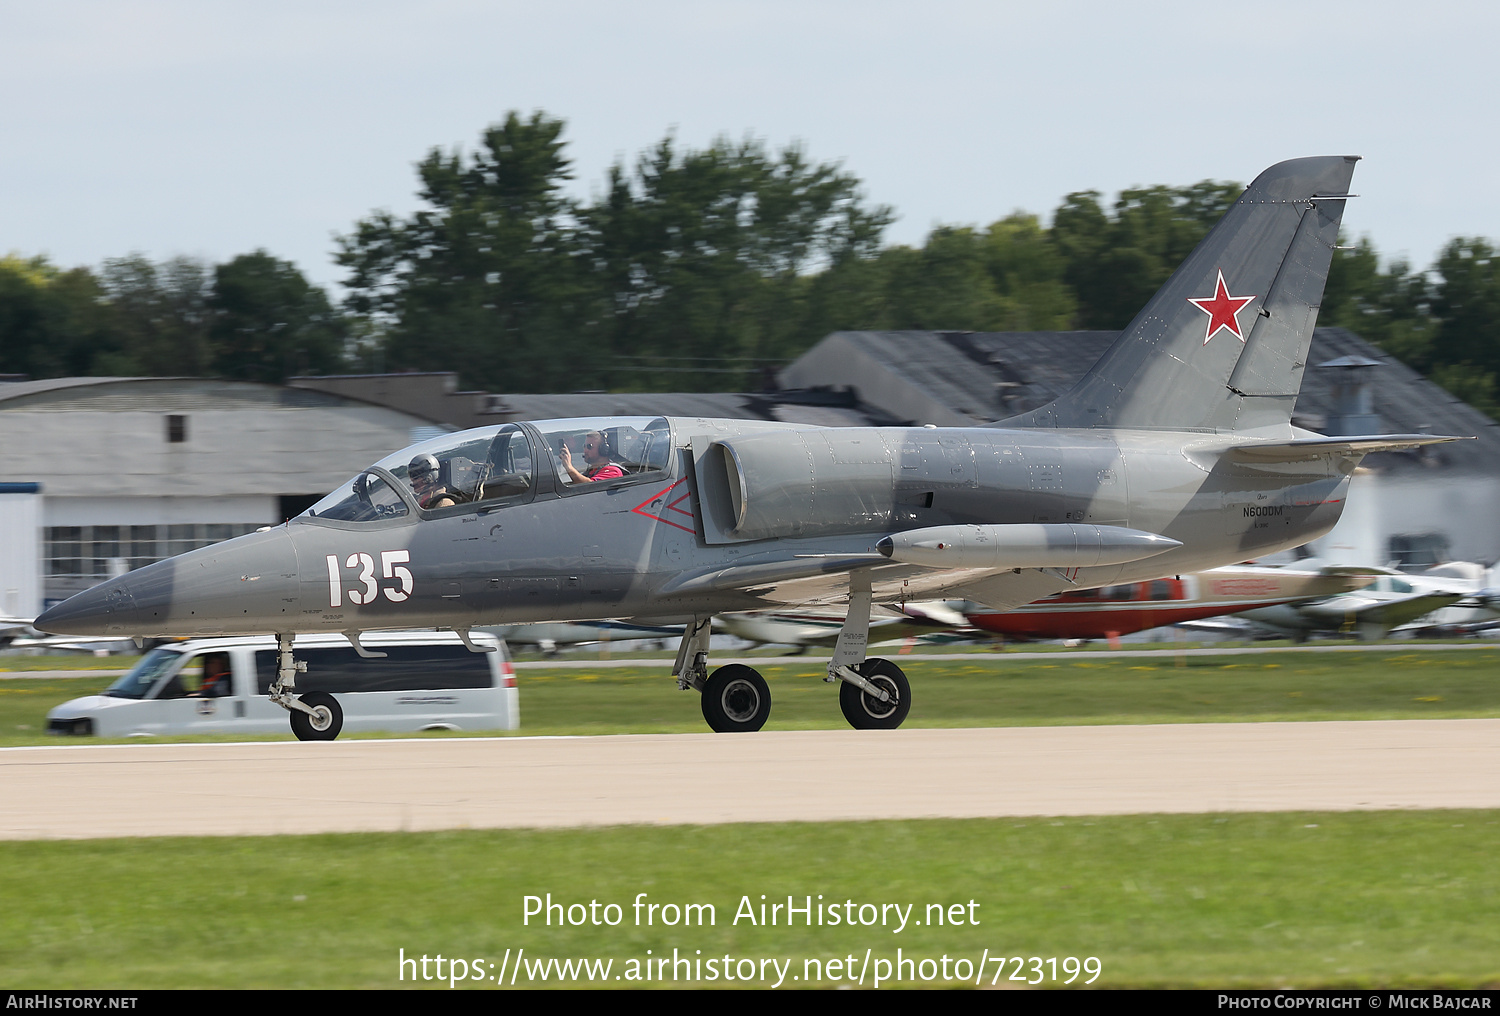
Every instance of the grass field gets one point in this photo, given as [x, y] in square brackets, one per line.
[990, 691]
[1295, 899]
[1229, 900]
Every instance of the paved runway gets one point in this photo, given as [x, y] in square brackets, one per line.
[291, 787]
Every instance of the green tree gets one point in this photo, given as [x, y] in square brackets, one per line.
[54, 322]
[160, 314]
[1008, 277]
[1026, 268]
[707, 257]
[1466, 299]
[270, 323]
[1116, 262]
[1389, 307]
[490, 278]
[1466, 302]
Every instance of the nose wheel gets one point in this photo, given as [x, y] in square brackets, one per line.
[323, 720]
[736, 700]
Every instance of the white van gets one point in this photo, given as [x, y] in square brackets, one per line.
[427, 681]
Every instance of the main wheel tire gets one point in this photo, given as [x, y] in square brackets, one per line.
[736, 700]
[325, 724]
[866, 712]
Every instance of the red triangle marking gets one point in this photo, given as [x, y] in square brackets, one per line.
[639, 509]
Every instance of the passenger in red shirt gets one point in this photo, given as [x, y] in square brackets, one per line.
[595, 456]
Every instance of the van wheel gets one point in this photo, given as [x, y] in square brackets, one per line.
[325, 723]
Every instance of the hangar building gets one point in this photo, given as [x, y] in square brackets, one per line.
[131, 470]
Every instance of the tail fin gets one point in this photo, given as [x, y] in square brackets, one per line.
[1223, 344]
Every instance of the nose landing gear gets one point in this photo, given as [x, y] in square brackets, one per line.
[323, 721]
[316, 716]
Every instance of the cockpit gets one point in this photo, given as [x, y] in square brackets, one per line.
[492, 467]
[638, 448]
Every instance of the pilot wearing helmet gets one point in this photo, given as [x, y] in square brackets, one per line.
[422, 473]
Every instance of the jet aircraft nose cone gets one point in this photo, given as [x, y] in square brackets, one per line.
[245, 584]
[106, 609]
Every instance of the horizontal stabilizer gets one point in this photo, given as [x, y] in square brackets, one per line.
[1312, 448]
[1031, 545]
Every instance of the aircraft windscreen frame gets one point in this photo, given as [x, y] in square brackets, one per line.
[490, 467]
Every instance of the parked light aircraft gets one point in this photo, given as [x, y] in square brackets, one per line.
[20, 633]
[1174, 453]
[12, 628]
[1453, 595]
[1135, 606]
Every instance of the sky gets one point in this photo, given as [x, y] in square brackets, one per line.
[213, 129]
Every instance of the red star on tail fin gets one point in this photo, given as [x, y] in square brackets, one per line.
[1222, 310]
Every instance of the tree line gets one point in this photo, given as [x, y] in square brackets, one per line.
[691, 270]
[254, 317]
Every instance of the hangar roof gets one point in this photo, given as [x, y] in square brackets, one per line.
[111, 437]
[155, 395]
[817, 408]
[436, 397]
[956, 378]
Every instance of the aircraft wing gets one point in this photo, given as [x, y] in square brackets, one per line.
[561, 633]
[936, 613]
[999, 565]
[1222, 625]
[1387, 610]
[811, 628]
[84, 644]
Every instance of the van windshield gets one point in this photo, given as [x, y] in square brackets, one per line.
[138, 680]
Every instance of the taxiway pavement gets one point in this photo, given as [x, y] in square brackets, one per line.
[88, 791]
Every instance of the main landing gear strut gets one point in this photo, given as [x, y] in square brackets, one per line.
[735, 698]
[316, 716]
[873, 694]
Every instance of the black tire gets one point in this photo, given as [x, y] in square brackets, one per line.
[326, 725]
[865, 712]
[736, 700]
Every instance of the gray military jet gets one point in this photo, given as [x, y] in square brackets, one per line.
[1174, 453]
